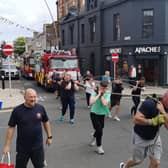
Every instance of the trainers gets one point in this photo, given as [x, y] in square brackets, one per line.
[61, 118]
[122, 165]
[116, 118]
[100, 150]
[71, 121]
[93, 142]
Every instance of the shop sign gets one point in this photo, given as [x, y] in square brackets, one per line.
[145, 50]
[115, 50]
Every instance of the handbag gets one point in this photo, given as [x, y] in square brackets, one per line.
[8, 164]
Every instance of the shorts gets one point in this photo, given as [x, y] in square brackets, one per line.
[115, 100]
[143, 148]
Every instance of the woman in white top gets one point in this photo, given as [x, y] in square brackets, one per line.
[89, 89]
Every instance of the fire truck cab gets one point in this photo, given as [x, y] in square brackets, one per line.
[60, 62]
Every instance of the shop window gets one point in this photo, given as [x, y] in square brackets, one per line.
[147, 26]
[116, 26]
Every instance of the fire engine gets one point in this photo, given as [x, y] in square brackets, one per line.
[60, 61]
[28, 65]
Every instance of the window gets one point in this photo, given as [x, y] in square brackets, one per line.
[91, 4]
[117, 31]
[82, 33]
[92, 29]
[63, 37]
[147, 27]
[71, 28]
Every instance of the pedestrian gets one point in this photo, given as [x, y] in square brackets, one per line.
[29, 144]
[106, 77]
[117, 88]
[87, 76]
[68, 88]
[132, 74]
[99, 102]
[146, 139]
[89, 89]
[136, 93]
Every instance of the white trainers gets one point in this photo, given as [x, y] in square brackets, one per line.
[100, 150]
[122, 165]
[116, 118]
[109, 116]
[93, 142]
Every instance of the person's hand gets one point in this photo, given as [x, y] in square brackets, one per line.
[49, 141]
[158, 120]
[160, 107]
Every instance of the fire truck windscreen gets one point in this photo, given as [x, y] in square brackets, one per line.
[63, 63]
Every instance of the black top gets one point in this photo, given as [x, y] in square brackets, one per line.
[149, 110]
[138, 90]
[29, 129]
[65, 94]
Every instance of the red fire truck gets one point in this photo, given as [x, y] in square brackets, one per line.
[27, 67]
[60, 61]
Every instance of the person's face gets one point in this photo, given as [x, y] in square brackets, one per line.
[102, 89]
[67, 77]
[30, 98]
[142, 82]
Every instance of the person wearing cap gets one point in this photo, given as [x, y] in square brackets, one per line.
[146, 139]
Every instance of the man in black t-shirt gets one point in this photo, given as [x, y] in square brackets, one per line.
[136, 93]
[68, 88]
[146, 140]
[29, 144]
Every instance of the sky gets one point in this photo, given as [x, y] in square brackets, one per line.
[24, 16]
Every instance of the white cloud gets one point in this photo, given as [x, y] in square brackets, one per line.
[28, 13]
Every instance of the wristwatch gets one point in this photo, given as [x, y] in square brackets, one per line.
[50, 137]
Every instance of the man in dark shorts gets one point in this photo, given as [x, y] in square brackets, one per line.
[29, 144]
[146, 139]
[116, 97]
[136, 93]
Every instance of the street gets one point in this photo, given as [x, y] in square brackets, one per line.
[70, 148]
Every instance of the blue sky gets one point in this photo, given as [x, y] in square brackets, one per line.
[25, 15]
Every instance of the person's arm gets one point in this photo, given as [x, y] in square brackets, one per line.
[47, 128]
[8, 139]
[93, 99]
[140, 119]
[161, 109]
[104, 101]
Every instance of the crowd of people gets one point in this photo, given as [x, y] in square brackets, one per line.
[100, 100]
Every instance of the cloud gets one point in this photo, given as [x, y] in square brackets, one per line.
[32, 14]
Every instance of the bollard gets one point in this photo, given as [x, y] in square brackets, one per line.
[3, 81]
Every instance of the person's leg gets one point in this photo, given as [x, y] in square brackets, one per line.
[87, 99]
[154, 163]
[37, 158]
[64, 106]
[21, 160]
[72, 107]
[137, 101]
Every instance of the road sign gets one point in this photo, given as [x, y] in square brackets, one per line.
[7, 50]
[115, 57]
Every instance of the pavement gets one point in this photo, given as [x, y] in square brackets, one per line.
[10, 98]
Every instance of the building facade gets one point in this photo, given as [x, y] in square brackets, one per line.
[137, 30]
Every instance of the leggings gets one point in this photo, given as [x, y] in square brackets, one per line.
[98, 125]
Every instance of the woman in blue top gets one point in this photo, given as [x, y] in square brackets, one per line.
[100, 101]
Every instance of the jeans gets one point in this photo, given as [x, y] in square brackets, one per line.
[36, 156]
[71, 102]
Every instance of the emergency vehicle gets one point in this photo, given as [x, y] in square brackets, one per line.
[27, 67]
[60, 61]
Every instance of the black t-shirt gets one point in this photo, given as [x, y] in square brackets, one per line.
[138, 90]
[116, 88]
[149, 110]
[66, 94]
[29, 129]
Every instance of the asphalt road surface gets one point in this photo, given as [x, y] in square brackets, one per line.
[70, 148]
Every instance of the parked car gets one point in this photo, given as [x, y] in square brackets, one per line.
[13, 70]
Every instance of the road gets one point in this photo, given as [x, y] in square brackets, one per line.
[70, 148]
